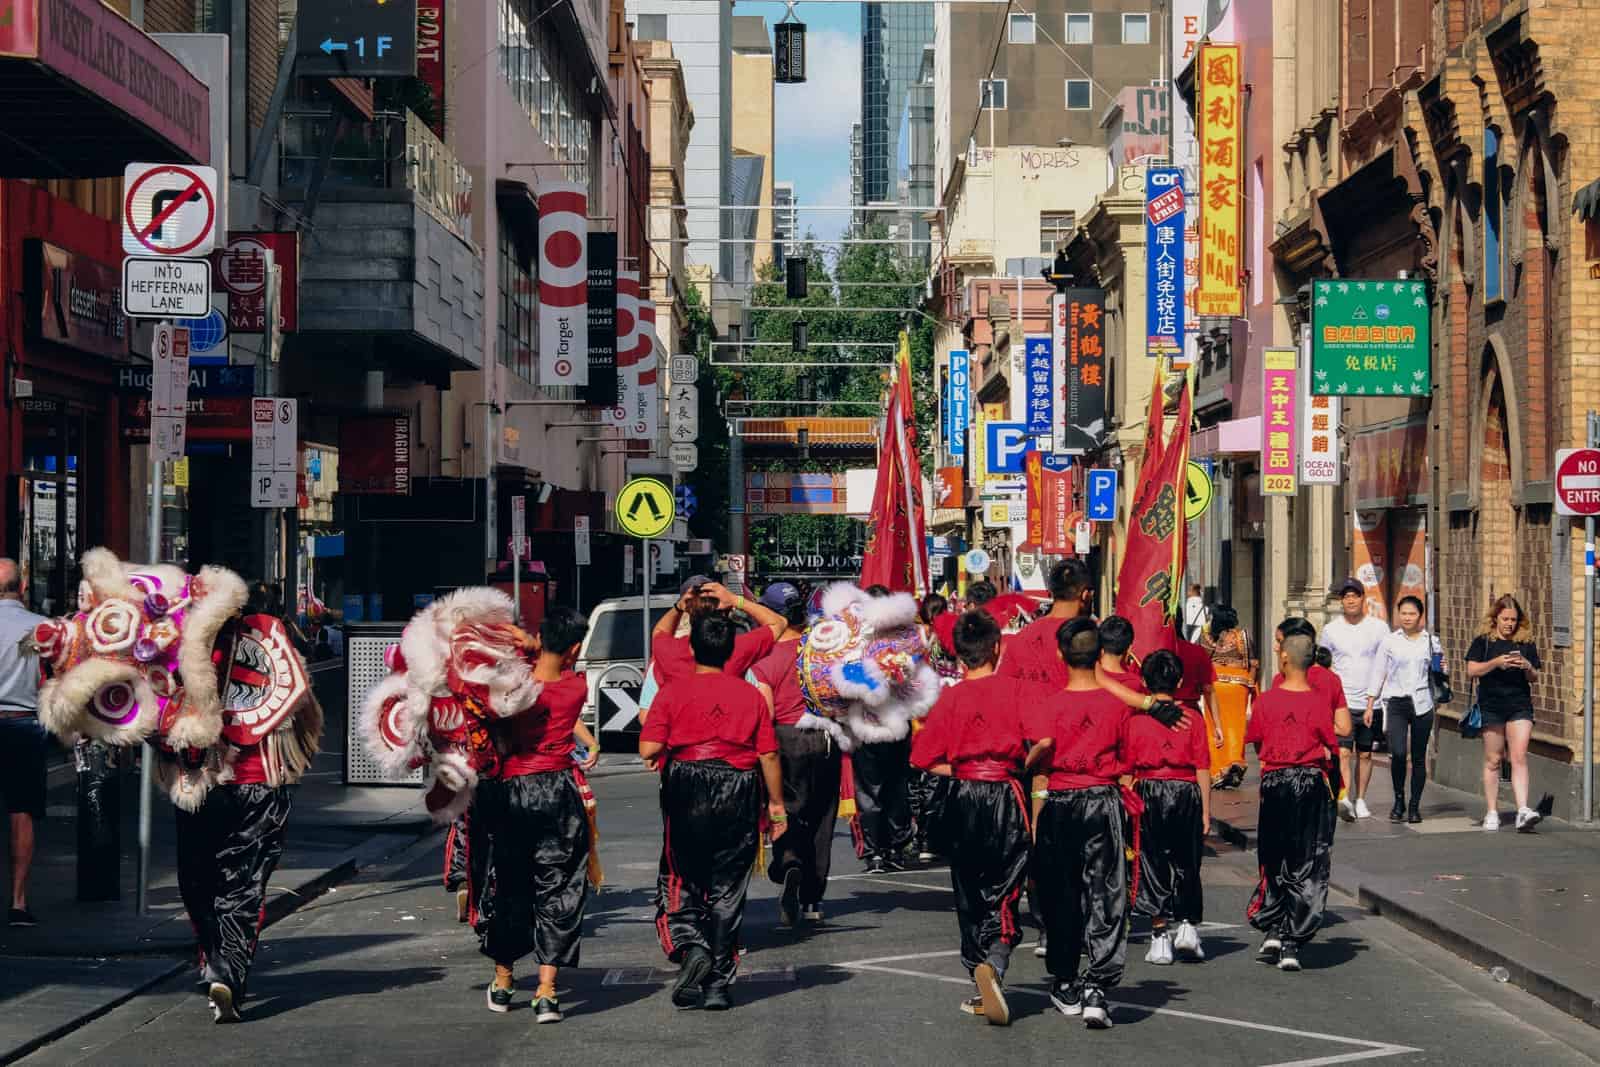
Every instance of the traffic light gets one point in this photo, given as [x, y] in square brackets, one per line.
[794, 277]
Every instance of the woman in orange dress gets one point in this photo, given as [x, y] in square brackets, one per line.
[1236, 665]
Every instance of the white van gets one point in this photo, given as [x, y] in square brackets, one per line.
[614, 655]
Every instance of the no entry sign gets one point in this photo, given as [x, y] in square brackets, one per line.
[169, 209]
[1578, 481]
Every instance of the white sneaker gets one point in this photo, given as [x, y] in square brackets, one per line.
[1187, 942]
[1527, 819]
[1491, 821]
[1347, 810]
[1362, 811]
[1160, 952]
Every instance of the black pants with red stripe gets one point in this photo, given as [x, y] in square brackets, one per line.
[883, 795]
[538, 884]
[810, 762]
[456, 852]
[1082, 876]
[1170, 846]
[984, 826]
[709, 813]
[1294, 847]
[226, 853]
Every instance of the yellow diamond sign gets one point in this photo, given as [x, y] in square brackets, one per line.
[645, 507]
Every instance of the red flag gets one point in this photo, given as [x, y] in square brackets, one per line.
[896, 553]
[1150, 583]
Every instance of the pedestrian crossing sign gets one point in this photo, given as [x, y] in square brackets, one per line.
[1198, 491]
[645, 507]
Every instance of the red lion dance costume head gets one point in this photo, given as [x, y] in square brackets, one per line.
[461, 665]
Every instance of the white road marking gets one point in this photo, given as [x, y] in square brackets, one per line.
[1368, 1050]
[886, 874]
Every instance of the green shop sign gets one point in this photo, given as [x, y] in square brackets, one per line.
[1369, 338]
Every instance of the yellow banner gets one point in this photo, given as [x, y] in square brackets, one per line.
[1220, 121]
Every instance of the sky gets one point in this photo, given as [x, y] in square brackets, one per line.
[813, 119]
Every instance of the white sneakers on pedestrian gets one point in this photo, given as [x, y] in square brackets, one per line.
[1347, 810]
[1491, 821]
[1527, 819]
[1160, 952]
[1187, 942]
[1362, 811]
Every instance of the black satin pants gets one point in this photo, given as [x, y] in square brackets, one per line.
[226, 853]
[709, 813]
[984, 827]
[883, 795]
[1170, 846]
[456, 851]
[1294, 847]
[537, 884]
[1081, 874]
[810, 761]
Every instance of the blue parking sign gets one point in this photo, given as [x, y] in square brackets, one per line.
[1101, 489]
[1007, 443]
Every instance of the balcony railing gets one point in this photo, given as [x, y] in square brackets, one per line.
[395, 150]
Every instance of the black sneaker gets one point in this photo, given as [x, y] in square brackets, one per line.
[716, 997]
[499, 998]
[895, 861]
[1398, 812]
[1288, 958]
[876, 865]
[222, 1006]
[1271, 945]
[789, 899]
[1096, 1013]
[694, 971]
[20, 917]
[811, 913]
[993, 992]
[546, 1010]
[1067, 997]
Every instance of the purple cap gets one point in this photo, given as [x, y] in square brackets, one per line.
[779, 595]
[1350, 585]
[693, 582]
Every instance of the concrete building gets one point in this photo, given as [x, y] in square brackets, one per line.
[754, 156]
[785, 218]
[702, 36]
[671, 123]
[856, 165]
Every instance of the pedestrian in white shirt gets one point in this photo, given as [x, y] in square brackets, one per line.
[1353, 639]
[1194, 616]
[1399, 679]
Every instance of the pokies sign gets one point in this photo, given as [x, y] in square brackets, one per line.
[1220, 81]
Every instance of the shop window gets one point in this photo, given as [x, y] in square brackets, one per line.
[1080, 28]
[1493, 219]
[1055, 228]
[1136, 29]
[1079, 93]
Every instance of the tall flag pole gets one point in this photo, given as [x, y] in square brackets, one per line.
[896, 553]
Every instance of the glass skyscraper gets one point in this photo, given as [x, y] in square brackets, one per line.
[892, 39]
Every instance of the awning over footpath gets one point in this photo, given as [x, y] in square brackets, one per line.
[83, 92]
[1236, 437]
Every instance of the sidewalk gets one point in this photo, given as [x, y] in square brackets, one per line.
[1527, 902]
[84, 959]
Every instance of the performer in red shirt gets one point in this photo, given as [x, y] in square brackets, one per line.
[1296, 737]
[974, 734]
[531, 814]
[714, 731]
[670, 655]
[1197, 692]
[1032, 654]
[1078, 860]
[810, 763]
[1171, 762]
[1323, 681]
[1116, 637]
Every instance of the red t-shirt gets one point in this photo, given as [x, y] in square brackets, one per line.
[1324, 683]
[1290, 729]
[776, 671]
[1154, 751]
[711, 716]
[1033, 655]
[1087, 727]
[978, 719]
[1006, 608]
[944, 628]
[1198, 672]
[540, 738]
[1132, 679]
[673, 658]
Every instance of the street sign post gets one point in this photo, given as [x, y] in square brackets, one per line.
[1102, 494]
[1197, 492]
[159, 287]
[683, 413]
[169, 398]
[645, 509]
[358, 39]
[274, 452]
[685, 370]
[685, 455]
[169, 210]
[519, 534]
[1578, 493]
[580, 557]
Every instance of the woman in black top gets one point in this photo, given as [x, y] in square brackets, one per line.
[1504, 662]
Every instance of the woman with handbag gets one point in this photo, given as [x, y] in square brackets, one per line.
[1402, 677]
[1504, 663]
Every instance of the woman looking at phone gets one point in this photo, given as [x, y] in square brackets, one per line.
[1504, 663]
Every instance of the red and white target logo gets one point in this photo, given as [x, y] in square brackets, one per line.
[563, 285]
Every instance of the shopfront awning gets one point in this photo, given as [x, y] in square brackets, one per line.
[1236, 437]
[83, 92]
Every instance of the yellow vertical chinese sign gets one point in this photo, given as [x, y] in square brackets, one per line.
[1220, 119]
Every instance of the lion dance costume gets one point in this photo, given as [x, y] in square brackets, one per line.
[155, 654]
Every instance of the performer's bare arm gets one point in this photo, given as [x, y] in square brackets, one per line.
[588, 740]
[766, 694]
[1202, 778]
[1209, 695]
[943, 769]
[1341, 720]
[650, 751]
[772, 774]
[763, 615]
[1037, 753]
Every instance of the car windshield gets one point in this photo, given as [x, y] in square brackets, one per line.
[619, 635]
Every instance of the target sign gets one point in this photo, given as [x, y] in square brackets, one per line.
[563, 285]
[169, 209]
